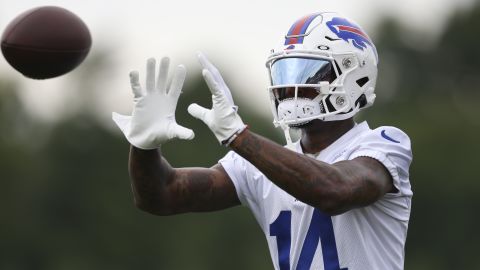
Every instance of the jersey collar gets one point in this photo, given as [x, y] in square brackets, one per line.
[340, 144]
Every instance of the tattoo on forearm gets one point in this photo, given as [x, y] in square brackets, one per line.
[307, 179]
[159, 186]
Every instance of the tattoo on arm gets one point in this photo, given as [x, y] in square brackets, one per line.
[160, 189]
[149, 175]
[332, 188]
[201, 190]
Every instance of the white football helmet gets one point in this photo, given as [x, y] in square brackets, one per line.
[325, 68]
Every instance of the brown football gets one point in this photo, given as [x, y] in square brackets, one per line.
[46, 42]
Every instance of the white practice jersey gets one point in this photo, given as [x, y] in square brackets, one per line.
[302, 237]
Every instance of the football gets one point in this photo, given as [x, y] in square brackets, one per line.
[46, 42]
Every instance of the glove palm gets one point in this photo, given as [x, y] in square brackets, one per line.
[152, 122]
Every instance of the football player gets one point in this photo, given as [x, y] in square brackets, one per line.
[339, 198]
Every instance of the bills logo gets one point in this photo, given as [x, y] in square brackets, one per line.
[349, 31]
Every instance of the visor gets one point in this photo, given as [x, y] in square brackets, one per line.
[290, 71]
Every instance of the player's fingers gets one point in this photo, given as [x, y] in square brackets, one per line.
[197, 111]
[182, 132]
[206, 64]
[150, 81]
[203, 60]
[162, 75]
[135, 83]
[227, 94]
[218, 97]
[177, 81]
[211, 83]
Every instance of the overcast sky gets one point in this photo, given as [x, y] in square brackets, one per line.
[236, 35]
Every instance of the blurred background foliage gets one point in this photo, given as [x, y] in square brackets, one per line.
[65, 200]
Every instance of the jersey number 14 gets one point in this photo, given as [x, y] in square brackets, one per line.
[320, 229]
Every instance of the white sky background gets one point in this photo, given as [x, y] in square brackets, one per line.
[236, 35]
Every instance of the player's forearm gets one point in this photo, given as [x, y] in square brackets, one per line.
[316, 183]
[150, 175]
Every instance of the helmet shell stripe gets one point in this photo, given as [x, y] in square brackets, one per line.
[299, 28]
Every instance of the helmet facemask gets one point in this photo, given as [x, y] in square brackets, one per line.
[305, 87]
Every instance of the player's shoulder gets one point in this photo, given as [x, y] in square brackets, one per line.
[387, 135]
[389, 145]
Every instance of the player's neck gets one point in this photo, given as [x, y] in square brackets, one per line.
[318, 135]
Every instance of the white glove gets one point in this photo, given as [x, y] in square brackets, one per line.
[222, 119]
[153, 118]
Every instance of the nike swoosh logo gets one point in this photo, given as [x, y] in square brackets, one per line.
[384, 135]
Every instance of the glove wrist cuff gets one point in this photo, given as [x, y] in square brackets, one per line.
[228, 141]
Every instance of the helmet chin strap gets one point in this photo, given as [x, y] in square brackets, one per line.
[286, 131]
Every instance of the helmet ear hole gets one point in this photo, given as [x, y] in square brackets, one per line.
[362, 81]
[362, 101]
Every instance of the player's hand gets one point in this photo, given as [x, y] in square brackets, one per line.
[152, 122]
[222, 119]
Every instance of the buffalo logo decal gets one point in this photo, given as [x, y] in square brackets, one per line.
[349, 31]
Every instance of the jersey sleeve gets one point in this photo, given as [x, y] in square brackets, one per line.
[245, 178]
[391, 147]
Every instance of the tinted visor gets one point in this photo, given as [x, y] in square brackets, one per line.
[301, 71]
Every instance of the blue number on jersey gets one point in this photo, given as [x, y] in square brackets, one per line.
[321, 228]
